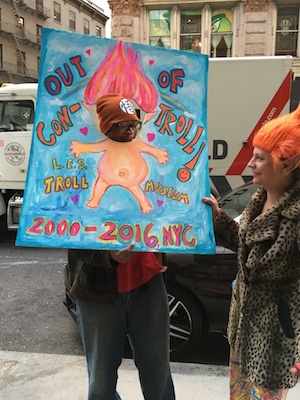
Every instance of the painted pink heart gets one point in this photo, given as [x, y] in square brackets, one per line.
[84, 130]
[88, 52]
[151, 62]
[150, 137]
[75, 198]
[160, 203]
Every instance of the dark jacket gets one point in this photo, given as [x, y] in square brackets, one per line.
[92, 275]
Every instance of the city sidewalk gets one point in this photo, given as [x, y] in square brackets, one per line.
[32, 376]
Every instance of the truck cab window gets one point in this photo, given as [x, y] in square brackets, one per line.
[16, 115]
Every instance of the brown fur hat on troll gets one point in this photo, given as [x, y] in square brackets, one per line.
[114, 108]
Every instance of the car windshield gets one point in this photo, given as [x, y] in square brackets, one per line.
[234, 202]
[16, 115]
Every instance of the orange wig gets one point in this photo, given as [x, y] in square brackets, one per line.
[280, 137]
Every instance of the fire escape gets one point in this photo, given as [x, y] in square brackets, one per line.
[19, 31]
[8, 76]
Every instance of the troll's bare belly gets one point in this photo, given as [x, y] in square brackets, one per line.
[117, 171]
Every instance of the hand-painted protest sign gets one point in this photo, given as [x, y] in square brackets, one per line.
[161, 208]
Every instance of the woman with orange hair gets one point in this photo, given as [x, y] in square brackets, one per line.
[264, 320]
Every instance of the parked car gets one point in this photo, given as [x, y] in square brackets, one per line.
[199, 286]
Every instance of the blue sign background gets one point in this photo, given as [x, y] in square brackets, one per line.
[74, 70]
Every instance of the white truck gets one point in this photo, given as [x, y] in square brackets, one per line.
[17, 107]
[243, 94]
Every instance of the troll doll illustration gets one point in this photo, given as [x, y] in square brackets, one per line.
[117, 79]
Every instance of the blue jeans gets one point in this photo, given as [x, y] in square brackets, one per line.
[143, 315]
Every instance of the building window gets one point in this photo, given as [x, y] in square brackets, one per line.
[221, 33]
[287, 31]
[39, 29]
[20, 26]
[190, 31]
[39, 5]
[86, 27]
[57, 12]
[72, 21]
[98, 30]
[38, 63]
[21, 63]
[160, 34]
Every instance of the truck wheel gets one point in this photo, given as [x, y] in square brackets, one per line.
[186, 321]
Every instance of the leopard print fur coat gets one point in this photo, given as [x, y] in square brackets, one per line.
[264, 318]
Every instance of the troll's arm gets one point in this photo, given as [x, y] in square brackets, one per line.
[160, 154]
[78, 148]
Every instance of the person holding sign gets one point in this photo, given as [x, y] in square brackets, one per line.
[121, 293]
[264, 320]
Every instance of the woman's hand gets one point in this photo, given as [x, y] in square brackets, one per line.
[296, 370]
[213, 203]
[122, 256]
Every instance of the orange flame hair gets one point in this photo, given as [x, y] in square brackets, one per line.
[280, 137]
[120, 72]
